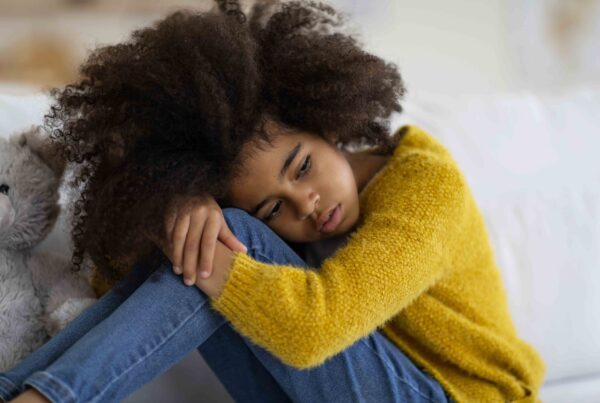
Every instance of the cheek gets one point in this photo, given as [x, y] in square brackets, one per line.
[288, 229]
[344, 176]
[293, 230]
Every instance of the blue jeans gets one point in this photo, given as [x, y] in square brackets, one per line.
[151, 320]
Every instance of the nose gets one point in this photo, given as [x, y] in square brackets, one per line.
[307, 206]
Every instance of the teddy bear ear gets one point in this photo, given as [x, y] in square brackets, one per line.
[40, 145]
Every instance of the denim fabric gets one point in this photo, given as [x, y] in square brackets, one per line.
[151, 320]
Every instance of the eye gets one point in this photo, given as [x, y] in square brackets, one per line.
[305, 167]
[4, 189]
[275, 210]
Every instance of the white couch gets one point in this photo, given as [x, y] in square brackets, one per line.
[531, 162]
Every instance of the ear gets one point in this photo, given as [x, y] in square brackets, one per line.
[39, 143]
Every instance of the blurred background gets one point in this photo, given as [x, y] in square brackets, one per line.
[465, 46]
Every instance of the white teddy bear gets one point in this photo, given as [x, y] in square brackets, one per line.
[39, 295]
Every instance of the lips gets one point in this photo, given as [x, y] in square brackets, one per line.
[325, 217]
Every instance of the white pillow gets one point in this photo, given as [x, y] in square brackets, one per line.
[532, 164]
[17, 112]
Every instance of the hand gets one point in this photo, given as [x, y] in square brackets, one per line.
[193, 222]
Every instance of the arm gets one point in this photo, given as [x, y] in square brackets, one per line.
[402, 248]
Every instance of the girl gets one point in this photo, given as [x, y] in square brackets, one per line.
[219, 143]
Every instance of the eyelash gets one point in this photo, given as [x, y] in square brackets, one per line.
[303, 172]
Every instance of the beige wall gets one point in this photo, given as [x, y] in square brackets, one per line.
[448, 46]
[439, 45]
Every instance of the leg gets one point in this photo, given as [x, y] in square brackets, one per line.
[226, 352]
[161, 322]
[121, 344]
[241, 373]
[372, 369]
[12, 380]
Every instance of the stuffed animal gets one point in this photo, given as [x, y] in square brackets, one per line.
[39, 294]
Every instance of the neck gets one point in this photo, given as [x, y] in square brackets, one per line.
[365, 166]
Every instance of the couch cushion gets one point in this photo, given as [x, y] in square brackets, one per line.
[20, 111]
[580, 390]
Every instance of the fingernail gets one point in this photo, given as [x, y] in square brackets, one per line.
[204, 274]
[177, 270]
[188, 281]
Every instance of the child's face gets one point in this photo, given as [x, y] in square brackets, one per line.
[318, 178]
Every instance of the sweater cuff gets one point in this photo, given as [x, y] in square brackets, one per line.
[244, 274]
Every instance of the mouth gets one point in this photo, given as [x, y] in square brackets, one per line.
[331, 219]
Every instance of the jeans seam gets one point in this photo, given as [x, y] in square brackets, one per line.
[183, 322]
[387, 364]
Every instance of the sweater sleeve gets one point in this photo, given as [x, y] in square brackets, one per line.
[402, 247]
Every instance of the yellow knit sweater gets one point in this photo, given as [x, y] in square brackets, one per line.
[419, 266]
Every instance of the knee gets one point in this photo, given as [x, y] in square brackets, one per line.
[262, 242]
[242, 224]
[236, 217]
[234, 214]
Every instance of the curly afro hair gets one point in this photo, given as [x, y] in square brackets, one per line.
[167, 112]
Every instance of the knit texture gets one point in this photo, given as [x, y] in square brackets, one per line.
[419, 267]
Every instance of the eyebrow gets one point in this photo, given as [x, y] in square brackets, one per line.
[286, 164]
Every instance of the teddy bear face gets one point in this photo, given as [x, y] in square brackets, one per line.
[28, 194]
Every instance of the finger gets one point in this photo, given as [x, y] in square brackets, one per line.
[229, 238]
[192, 245]
[209, 243]
[177, 241]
